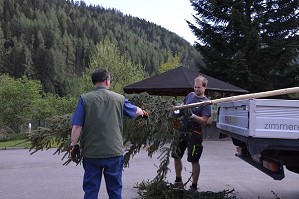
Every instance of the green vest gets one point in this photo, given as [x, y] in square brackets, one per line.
[102, 135]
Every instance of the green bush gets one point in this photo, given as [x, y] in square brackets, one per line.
[23, 101]
[10, 137]
[17, 101]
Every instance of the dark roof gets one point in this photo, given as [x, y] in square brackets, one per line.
[178, 82]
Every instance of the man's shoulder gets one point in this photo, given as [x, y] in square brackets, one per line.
[116, 94]
[191, 94]
[87, 94]
[106, 91]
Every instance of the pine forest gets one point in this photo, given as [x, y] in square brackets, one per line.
[53, 40]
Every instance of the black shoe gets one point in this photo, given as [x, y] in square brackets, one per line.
[178, 185]
[192, 188]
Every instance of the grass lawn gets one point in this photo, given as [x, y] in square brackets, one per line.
[21, 143]
[16, 143]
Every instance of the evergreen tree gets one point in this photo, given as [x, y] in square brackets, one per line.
[28, 63]
[2, 50]
[249, 43]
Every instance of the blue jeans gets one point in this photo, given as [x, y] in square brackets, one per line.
[93, 170]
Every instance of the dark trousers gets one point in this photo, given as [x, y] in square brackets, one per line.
[111, 168]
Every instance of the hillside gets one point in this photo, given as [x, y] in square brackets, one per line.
[49, 40]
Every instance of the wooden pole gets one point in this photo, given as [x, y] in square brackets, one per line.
[241, 97]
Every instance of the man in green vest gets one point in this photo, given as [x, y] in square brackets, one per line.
[98, 119]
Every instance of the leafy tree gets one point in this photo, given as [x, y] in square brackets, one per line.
[17, 100]
[251, 44]
[49, 105]
[171, 63]
[123, 71]
[22, 101]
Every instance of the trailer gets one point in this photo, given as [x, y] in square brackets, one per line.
[264, 131]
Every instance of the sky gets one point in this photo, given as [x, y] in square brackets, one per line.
[170, 14]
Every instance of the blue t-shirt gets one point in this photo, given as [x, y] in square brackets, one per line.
[187, 124]
[79, 115]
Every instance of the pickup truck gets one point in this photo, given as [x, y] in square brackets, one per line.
[264, 131]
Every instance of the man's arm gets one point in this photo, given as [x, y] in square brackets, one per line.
[204, 119]
[77, 122]
[201, 120]
[130, 110]
[76, 131]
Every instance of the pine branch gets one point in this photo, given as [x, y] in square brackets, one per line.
[57, 131]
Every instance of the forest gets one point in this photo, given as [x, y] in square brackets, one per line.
[53, 40]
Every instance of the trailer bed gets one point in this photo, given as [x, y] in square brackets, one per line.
[260, 118]
[265, 131]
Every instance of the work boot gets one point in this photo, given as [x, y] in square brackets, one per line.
[178, 185]
[193, 188]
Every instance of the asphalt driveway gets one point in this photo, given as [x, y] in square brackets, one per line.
[42, 175]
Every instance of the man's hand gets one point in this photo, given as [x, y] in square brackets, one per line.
[177, 113]
[145, 114]
[75, 153]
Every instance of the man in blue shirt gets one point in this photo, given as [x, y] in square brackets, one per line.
[98, 122]
[190, 133]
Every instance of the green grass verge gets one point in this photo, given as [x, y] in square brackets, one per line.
[22, 143]
[16, 143]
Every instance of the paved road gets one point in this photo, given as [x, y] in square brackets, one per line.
[42, 176]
